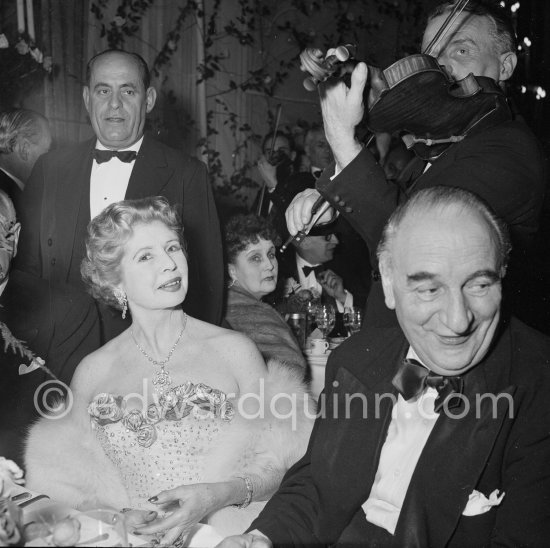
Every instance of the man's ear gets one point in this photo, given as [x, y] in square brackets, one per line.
[387, 284]
[16, 230]
[22, 148]
[150, 99]
[231, 271]
[86, 97]
[508, 62]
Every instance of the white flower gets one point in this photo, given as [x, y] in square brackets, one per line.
[119, 21]
[10, 471]
[4, 42]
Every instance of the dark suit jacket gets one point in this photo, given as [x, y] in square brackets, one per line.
[506, 448]
[500, 161]
[55, 212]
[61, 326]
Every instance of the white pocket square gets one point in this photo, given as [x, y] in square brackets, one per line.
[478, 503]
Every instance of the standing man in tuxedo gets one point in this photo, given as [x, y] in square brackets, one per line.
[39, 324]
[499, 158]
[434, 433]
[68, 187]
[24, 137]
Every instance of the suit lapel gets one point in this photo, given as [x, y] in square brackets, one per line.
[71, 202]
[366, 389]
[151, 171]
[455, 455]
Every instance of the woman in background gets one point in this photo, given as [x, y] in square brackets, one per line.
[160, 417]
[250, 247]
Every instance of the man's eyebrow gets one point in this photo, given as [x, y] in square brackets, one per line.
[107, 85]
[486, 273]
[420, 277]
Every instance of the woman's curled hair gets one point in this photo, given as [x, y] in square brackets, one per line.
[245, 229]
[109, 232]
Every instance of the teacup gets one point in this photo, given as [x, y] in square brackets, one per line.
[318, 346]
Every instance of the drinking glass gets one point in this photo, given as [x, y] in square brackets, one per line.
[325, 317]
[103, 527]
[353, 318]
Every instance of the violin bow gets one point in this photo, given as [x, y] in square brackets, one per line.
[270, 155]
[458, 8]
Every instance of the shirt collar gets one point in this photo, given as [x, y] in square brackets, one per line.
[135, 147]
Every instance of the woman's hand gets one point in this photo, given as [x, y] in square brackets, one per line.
[189, 504]
[137, 518]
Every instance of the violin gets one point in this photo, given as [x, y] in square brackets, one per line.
[415, 96]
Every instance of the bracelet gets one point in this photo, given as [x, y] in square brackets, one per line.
[249, 492]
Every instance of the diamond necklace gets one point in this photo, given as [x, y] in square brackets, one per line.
[162, 379]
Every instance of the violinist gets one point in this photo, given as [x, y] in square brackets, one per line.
[499, 158]
[275, 164]
[282, 179]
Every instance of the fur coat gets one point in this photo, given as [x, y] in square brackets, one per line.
[66, 461]
[265, 326]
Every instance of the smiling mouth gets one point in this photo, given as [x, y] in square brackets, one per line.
[174, 283]
[455, 340]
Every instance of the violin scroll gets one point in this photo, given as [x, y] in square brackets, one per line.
[321, 67]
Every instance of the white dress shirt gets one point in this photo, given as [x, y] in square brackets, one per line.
[310, 282]
[109, 180]
[409, 429]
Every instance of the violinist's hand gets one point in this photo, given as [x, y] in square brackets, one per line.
[343, 109]
[254, 539]
[268, 173]
[332, 284]
[298, 213]
[190, 503]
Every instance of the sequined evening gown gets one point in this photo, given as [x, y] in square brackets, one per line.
[165, 445]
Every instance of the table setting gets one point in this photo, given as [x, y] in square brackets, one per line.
[33, 519]
[317, 331]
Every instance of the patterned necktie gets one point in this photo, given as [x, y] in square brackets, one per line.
[412, 378]
[307, 270]
[126, 156]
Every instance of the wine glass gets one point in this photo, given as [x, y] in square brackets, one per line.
[325, 317]
[353, 318]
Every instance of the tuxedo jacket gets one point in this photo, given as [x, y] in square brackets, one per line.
[501, 443]
[55, 211]
[59, 325]
[500, 160]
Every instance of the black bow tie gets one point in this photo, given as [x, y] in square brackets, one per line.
[412, 378]
[125, 156]
[307, 270]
